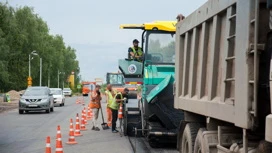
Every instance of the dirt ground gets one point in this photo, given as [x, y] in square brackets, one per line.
[13, 104]
[4, 106]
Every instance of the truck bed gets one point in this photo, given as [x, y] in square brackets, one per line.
[218, 70]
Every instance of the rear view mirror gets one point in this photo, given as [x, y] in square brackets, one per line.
[50, 94]
[21, 94]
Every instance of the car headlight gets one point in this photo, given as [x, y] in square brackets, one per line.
[44, 100]
[23, 100]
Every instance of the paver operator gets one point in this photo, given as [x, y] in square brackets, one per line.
[135, 52]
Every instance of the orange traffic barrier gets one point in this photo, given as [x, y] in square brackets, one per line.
[89, 116]
[59, 148]
[71, 139]
[85, 116]
[120, 111]
[77, 130]
[82, 126]
[47, 146]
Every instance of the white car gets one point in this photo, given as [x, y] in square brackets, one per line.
[67, 92]
[58, 96]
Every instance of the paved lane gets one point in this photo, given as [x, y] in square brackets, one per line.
[26, 133]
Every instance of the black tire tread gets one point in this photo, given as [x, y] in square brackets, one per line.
[194, 127]
[21, 111]
[264, 147]
[198, 140]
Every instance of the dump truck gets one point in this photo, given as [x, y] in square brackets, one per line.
[154, 117]
[223, 77]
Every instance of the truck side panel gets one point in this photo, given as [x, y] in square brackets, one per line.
[215, 74]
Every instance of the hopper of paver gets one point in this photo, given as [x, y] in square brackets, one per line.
[132, 71]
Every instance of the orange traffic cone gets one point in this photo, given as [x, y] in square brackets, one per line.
[82, 101]
[71, 139]
[58, 132]
[77, 130]
[47, 146]
[59, 148]
[82, 126]
[120, 111]
[89, 116]
[85, 116]
[77, 101]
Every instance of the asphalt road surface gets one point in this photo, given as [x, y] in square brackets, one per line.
[27, 133]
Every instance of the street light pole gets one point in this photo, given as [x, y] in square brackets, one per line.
[40, 71]
[29, 69]
[58, 78]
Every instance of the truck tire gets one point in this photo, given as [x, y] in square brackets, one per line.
[188, 138]
[200, 144]
[264, 147]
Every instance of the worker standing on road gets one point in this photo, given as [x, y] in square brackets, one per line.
[110, 96]
[135, 52]
[118, 98]
[95, 105]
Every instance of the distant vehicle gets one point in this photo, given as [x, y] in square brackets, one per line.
[67, 92]
[118, 83]
[58, 96]
[36, 99]
[87, 87]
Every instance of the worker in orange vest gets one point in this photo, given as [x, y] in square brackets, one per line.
[95, 105]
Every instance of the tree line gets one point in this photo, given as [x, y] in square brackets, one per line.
[22, 32]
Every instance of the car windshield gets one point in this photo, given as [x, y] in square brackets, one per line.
[66, 89]
[36, 92]
[161, 48]
[116, 79]
[56, 92]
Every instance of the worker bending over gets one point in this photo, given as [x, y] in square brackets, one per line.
[118, 98]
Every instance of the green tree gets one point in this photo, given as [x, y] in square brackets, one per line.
[21, 32]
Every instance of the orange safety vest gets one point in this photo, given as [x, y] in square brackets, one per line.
[95, 102]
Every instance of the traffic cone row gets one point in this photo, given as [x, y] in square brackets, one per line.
[71, 139]
[47, 146]
[85, 116]
[78, 101]
[72, 133]
[77, 130]
[89, 116]
[82, 126]
[82, 101]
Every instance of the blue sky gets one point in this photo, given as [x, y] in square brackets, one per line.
[92, 27]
